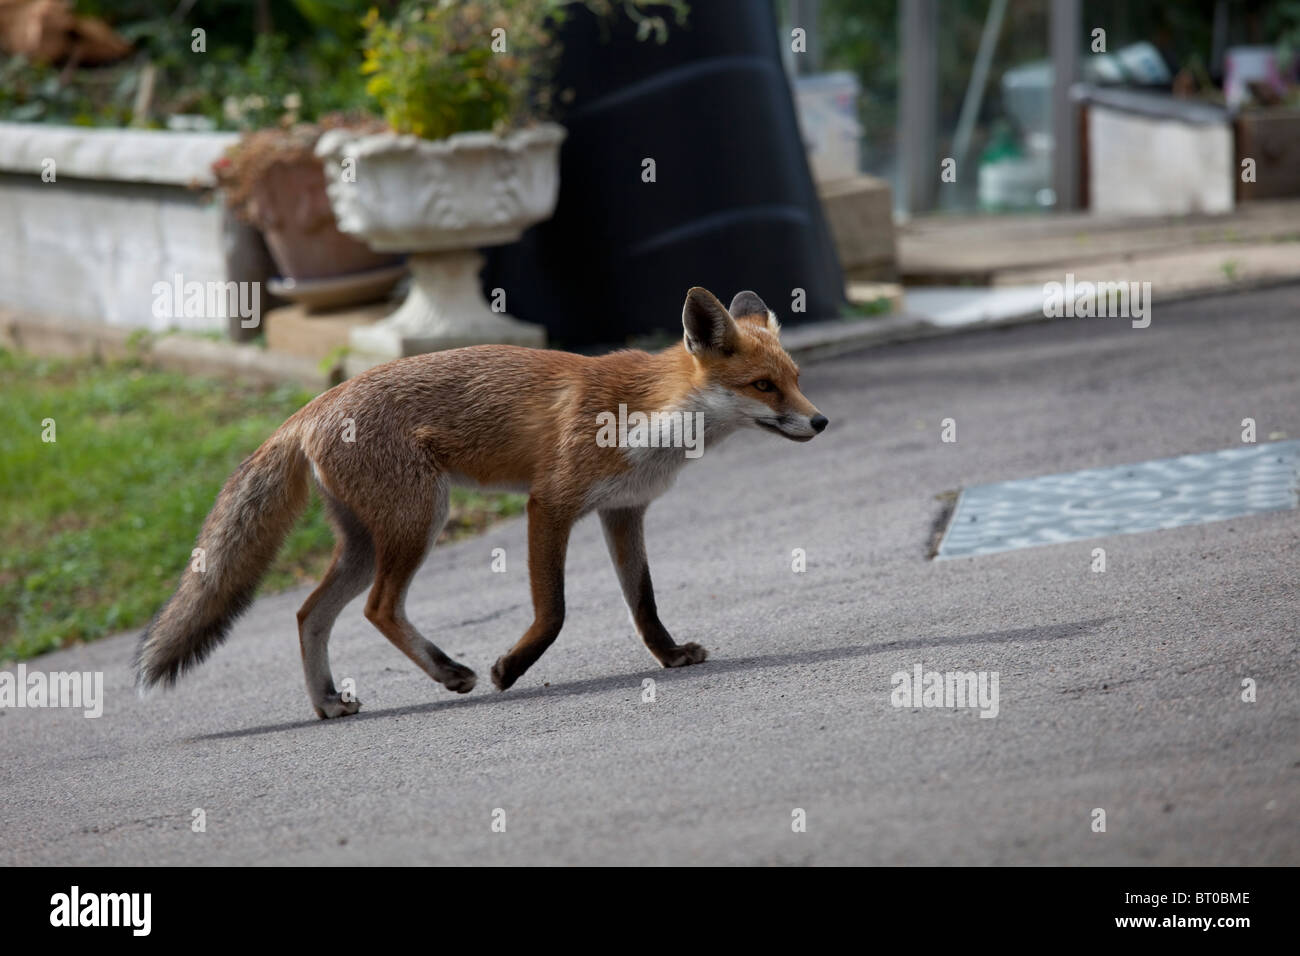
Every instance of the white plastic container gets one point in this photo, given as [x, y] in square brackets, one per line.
[828, 117]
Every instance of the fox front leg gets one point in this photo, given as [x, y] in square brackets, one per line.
[548, 542]
[625, 536]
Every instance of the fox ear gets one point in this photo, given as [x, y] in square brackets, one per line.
[748, 303]
[708, 326]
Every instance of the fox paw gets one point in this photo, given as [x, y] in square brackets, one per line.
[683, 655]
[459, 678]
[502, 675]
[335, 706]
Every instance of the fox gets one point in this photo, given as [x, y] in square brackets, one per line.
[384, 448]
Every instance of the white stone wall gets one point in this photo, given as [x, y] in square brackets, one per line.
[119, 217]
[1147, 166]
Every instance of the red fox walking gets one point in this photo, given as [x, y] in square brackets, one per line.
[385, 447]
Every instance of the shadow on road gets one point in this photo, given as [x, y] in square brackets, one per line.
[713, 667]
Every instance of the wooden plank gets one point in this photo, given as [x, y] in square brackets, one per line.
[860, 214]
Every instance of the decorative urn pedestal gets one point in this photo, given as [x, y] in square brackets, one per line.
[440, 201]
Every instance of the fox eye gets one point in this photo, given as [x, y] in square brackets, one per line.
[763, 385]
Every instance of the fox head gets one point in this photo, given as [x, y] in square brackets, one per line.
[746, 377]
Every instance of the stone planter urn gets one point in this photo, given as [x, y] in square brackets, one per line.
[440, 201]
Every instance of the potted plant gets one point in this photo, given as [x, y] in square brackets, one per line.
[273, 180]
[466, 162]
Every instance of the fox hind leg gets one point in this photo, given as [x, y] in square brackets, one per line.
[402, 538]
[350, 573]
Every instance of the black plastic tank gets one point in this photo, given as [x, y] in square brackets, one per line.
[732, 206]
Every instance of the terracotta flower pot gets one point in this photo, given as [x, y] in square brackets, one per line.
[292, 208]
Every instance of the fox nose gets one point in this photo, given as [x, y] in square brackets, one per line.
[819, 423]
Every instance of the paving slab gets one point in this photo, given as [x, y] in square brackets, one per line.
[951, 250]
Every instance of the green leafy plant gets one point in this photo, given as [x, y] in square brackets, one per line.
[1283, 22]
[452, 66]
[217, 64]
[275, 86]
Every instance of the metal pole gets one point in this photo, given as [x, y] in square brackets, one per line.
[970, 104]
[918, 103]
[1065, 24]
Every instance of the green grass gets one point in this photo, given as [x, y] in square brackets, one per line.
[864, 310]
[96, 527]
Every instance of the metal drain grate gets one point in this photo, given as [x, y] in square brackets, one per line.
[1166, 493]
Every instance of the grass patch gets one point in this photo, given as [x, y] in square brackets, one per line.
[96, 526]
[881, 305]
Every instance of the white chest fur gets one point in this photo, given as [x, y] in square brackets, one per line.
[652, 472]
[710, 415]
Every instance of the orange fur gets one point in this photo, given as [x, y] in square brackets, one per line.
[496, 416]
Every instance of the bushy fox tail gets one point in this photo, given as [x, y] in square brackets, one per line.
[254, 512]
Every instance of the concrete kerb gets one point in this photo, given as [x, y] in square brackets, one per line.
[50, 336]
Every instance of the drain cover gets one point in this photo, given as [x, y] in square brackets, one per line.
[1166, 493]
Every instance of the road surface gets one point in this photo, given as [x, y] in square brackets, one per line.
[1119, 691]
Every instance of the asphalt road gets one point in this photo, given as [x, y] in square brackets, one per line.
[1118, 691]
